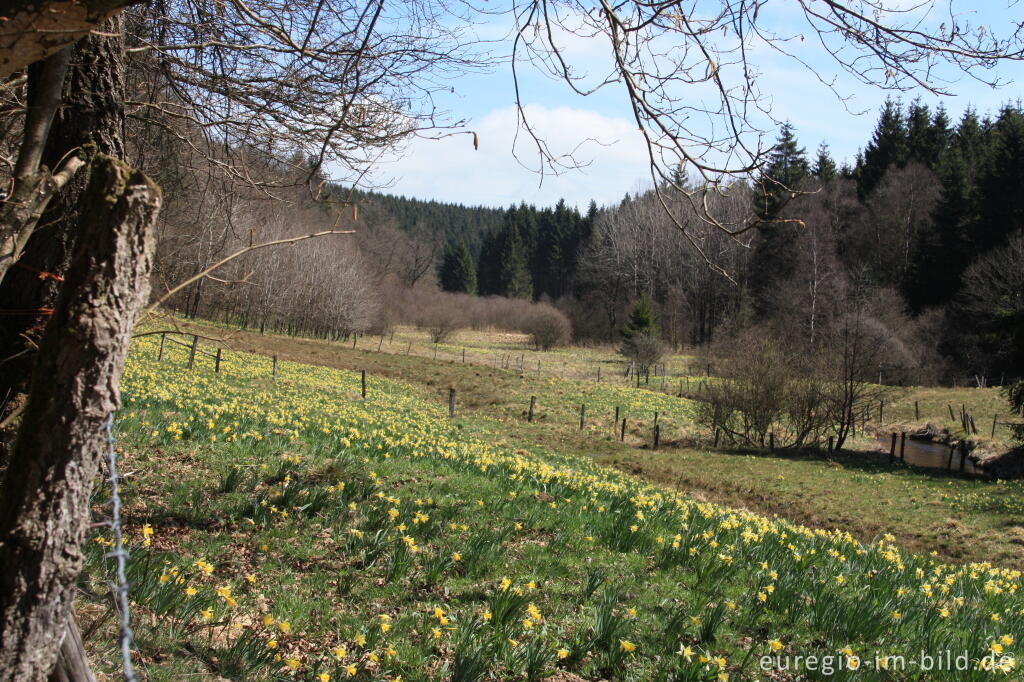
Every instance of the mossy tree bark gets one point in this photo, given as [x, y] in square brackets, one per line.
[44, 501]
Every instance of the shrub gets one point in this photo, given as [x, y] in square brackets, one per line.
[440, 320]
[547, 327]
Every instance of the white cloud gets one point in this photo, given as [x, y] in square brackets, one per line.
[450, 169]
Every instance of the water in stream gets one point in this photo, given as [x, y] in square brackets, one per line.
[928, 454]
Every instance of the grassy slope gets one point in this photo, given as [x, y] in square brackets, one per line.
[285, 518]
[928, 510]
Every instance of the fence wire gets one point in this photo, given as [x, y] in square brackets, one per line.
[120, 586]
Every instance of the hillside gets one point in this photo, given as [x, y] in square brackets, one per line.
[451, 223]
[289, 529]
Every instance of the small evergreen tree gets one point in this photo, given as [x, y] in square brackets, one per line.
[640, 342]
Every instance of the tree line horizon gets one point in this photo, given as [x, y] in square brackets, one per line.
[924, 228]
[927, 211]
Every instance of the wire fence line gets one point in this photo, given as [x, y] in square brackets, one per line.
[119, 587]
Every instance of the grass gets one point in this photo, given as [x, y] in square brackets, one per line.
[928, 510]
[984, 404]
[290, 531]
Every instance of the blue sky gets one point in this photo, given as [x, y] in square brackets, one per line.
[451, 170]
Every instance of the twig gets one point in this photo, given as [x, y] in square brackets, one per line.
[277, 242]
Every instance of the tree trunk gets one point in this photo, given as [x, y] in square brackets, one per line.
[91, 115]
[32, 184]
[44, 503]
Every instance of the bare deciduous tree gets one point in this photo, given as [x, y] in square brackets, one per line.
[692, 83]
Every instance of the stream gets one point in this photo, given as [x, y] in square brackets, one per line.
[928, 454]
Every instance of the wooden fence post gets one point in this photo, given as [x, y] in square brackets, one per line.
[655, 418]
[657, 436]
[583, 412]
[994, 418]
[216, 366]
[950, 406]
[451, 403]
[881, 404]
[949, 465]
[622, 435]
[363, 378]
[354, 337]
[616, 415]
[533, 406]
[917, 412]
[163, 340]
[970, 419]
[903, 446]
[892, 448]
[408, 348]
[275, 368]
[598, 374]
[463, 356]
[192, 352]
[381, 343]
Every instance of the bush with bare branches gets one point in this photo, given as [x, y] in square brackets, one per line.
[762, 388]
[547, 326]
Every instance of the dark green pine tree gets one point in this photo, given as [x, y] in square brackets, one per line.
[489, 264]
[547, 256]
[949, 247]
[591, 216]
[971, 140]
[1000, 181]
[514, 279]
[559, 237]
[940, 138]
[772, 259]
[458, 271]
[919, 133]
[937, 274]
[787, 166]
[825, 168]
[888, 147]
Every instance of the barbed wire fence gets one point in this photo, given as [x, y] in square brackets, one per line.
[119, 587]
